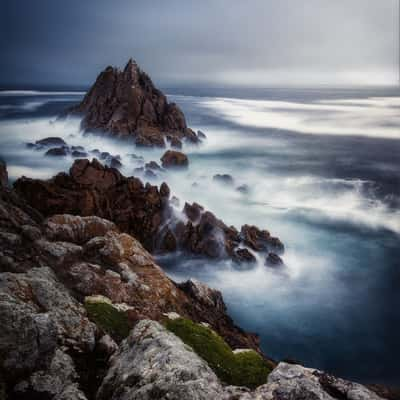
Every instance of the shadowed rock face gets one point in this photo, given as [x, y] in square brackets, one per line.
[3, 174]
[127, 104]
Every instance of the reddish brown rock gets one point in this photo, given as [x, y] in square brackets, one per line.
[260, 240]
[91, 189]
[243, 256]
[172, 158]
[127, 104]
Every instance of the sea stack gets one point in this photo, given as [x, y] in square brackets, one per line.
[127, 104]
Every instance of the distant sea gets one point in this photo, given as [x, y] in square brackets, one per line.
[323, 168]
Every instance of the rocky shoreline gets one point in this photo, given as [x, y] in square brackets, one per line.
[86, 312]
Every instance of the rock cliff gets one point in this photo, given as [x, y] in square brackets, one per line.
[127, 104]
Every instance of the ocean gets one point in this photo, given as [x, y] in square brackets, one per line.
[323, 171]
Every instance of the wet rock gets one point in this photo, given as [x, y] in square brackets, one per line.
[57, 152]
[3, 174]
[193, 211]
[243, 188]
[174, 142]
[77, 148]
[114, 162]
[273, 260]
[149, 174]
[104, 155]
[175, 201]
[164, 190]
[127, 104]
[140, 210]
[51, 142]
[173, 158]
[79, 154]
[201, 135]
[260, 240]
[152, 165]
[243, 256]
[224, 179]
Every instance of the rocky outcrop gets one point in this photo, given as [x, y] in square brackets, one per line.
[127, 104]
[152, 364]
[53, 274]
[172, 158]
[143, 211]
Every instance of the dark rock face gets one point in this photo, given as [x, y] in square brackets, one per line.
[243, 256]
[172, 159]
[93, 189]
[57, 152]
[273, 260]
[260, 240]
[3, 174]
[126, 103]
[51, 142]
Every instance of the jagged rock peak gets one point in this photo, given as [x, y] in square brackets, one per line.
[126, 103]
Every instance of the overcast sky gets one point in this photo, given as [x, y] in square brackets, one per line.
[201, 42]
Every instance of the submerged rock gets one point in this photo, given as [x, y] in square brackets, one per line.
[243, 256]
[201, 135]
[51, 142]
[79, 154]
[127, 104]
[224, 179]
[273, 260]
[173, 158]
[57, 152]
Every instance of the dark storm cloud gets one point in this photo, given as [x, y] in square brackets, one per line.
[209, 42]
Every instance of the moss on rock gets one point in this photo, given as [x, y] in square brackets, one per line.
[106, 316]
[245, 368]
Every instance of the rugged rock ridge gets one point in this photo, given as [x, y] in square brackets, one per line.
[48, 268]
[143, 211]
[127, 104]
[152, 364]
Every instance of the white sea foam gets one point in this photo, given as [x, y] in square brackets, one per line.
[374, 117]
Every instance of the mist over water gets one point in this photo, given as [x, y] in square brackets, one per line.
[323, 168]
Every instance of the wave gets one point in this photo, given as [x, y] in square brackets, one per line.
[376, 117]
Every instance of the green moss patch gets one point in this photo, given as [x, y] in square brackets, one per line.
[246, 368]
[107, 317]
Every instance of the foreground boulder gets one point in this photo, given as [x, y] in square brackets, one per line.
[127, 104]
[142, 211]
[153, 364]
